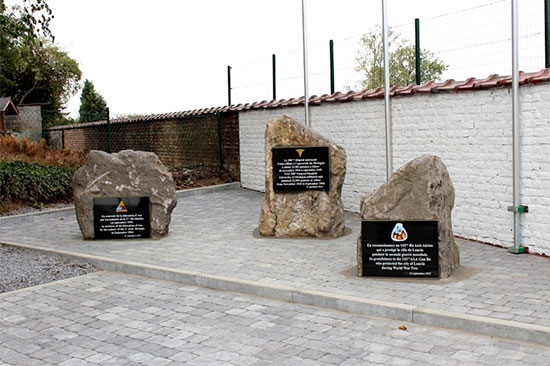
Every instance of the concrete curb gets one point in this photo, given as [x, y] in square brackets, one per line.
[210, 189]
[67, 211]
[483, 325]
[47, 284]
[32, 216]
[384, 309]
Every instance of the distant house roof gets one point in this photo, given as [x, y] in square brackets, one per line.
[492, 81]
[7, 106]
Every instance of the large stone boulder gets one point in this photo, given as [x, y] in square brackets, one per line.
[419, 190]
[302, 213]
[124, 174]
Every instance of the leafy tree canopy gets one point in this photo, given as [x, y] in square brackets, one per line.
[402, 62]
[92, 105]
[32, 68]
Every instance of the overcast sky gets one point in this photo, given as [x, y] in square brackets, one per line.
[168, 55]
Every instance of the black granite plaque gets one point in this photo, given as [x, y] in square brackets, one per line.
[301, 168]
[400, 248]
[121, 218]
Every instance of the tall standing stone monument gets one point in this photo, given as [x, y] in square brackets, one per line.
[303, 189]
[135, 175]
[419, 192]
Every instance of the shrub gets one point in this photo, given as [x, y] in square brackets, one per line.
[34, 183]
[14, 149]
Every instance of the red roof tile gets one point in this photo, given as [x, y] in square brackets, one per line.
[492, 81]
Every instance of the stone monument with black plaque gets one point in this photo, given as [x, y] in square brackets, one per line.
[121, 218]
[129, 194]
[304, 173]
[406, 229]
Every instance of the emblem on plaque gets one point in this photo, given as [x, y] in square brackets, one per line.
[121, 207]
[300, 152]
[399, 233]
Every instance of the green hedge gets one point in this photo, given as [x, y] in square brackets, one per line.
[35, 183]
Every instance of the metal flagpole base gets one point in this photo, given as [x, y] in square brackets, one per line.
[517, 250]
[521, 209]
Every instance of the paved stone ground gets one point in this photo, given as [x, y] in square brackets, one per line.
[213, 234]
[108, 318]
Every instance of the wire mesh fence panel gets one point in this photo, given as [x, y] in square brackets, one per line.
[485, 47]
[473, 40]
[208, 141]
[55, 139]
[178, 143]
[27, 123]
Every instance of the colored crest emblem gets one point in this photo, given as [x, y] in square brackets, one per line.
[121, 207]
[399, 233]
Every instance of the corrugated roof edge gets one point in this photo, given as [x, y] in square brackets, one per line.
[492, 81]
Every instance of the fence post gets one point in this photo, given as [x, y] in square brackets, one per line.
[3, 129]
[108, 131]
[220, 152]
[331, 46]
[274, 78]
[417, 48]
[228, 85]
[547, 33]
[63, 139]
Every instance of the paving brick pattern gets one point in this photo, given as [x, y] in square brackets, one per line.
[213, 234]
[108, 318]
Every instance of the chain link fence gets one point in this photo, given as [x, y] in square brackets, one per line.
[26, 123]
[208, 140]
[473, 40]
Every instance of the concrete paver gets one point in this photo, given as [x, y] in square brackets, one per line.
[163, 322]
[213, 234]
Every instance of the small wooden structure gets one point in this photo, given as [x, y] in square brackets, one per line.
[7, 108]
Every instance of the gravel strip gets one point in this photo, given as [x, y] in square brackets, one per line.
[20, 268]
[30, 209]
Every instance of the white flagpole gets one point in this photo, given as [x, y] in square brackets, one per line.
[306, 86]
[515, 129]
[389, 158]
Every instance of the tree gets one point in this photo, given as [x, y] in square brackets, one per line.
[92, 104]
[32, 68]
[370, 61]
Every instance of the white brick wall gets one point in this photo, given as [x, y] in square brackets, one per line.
[470, 130]
[251, 142]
